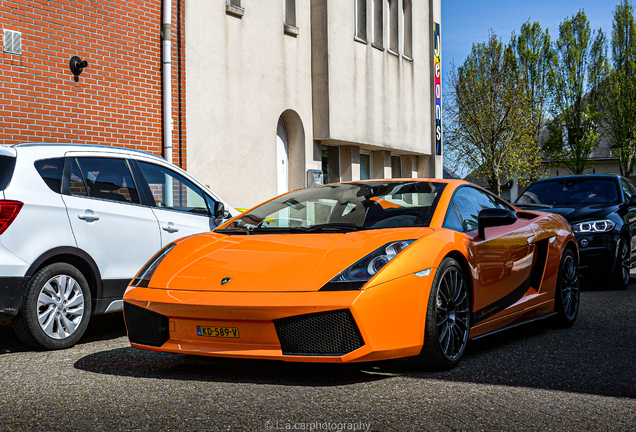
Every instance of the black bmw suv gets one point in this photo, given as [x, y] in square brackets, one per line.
[602, 212]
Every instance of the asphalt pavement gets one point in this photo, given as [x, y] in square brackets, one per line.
[531, 378]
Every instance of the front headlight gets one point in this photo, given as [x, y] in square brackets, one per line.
[145, 274]
[597, 226]
[355, 276]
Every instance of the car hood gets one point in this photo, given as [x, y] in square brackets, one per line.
[268, 263]
[576, 212]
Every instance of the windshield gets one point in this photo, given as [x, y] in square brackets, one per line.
[571, 192]
[343, 208]
[7, 165]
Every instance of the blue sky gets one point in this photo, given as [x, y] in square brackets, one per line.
[467, 21]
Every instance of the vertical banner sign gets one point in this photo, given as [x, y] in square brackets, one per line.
[438, 89]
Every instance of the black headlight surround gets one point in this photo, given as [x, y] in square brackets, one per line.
[145, 274]
[377, 259]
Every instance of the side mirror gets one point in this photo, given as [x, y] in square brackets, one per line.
[220, 214]
[492, 217]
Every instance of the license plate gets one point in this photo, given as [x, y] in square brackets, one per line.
[224, 332]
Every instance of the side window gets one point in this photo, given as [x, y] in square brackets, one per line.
[470, 202]
[51, 171]
[171, 190]
[108, 178]
[626, 190]
[77, 185]
[452, 220]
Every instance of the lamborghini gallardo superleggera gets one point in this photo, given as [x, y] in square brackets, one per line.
[358, 271]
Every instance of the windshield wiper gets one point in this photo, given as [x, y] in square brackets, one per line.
[334, 227]
[278, 230]
[328, 227]
[232, 231]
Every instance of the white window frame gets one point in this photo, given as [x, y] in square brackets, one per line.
[370, 154]
[290, 24]
[360, 20]
[407, 29]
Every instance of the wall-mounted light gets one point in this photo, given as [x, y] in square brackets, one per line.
[77, 65]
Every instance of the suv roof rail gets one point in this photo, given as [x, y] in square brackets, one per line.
[80, 145]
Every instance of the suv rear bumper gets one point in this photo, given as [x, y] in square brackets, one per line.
[10, 297]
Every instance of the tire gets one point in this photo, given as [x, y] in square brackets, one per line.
[447, 319]
[55, 309]
[567, 294]
[620, 275]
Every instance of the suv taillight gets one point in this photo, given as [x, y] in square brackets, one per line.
[8, 212]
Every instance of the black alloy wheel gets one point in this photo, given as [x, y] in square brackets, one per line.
[447, 318]
[567, 295]
[620, 275]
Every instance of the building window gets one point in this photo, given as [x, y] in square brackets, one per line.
[290, 17]
[330, 163]
[396, 167]
[12, 42]
[366, 164]
[378, 23]
[361, 20]
[407, 22]
[392, 12]
[233, 7]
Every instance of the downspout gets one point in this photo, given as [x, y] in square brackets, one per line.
[166, 31]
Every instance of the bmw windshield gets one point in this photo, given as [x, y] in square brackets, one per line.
[568, 191]
[343, 208]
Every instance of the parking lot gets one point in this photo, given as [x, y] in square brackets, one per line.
[528, 378]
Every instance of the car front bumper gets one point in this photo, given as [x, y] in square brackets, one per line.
[389, 319]
[597, 251]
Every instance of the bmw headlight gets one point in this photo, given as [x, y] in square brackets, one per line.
[145, 274]
[597, 226]
[359, 273]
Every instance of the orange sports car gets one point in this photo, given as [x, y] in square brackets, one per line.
[358, 271]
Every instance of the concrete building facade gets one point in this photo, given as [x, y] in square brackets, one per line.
[273, 89]
[278, 88]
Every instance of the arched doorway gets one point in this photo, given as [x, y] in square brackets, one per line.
[282, 158]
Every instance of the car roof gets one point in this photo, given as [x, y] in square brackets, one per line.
[80, 146]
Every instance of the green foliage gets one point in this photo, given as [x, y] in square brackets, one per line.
[535, 60]
[580, 68]
[618, 91]
[489, 116]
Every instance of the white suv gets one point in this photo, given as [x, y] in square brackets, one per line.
[76, 224]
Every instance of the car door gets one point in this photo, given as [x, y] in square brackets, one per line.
[180, 206]
[108, 220]
[502, 262]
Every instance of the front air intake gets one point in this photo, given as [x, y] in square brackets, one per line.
[145, 327]
[332, 333]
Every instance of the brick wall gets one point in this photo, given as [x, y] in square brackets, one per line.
[117, 100]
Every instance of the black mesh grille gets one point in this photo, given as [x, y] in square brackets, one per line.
[145, 327]
[332, 333]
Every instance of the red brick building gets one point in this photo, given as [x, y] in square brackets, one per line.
[117, 99]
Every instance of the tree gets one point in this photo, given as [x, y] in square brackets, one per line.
[489, 120]
[535, 60]
[574, 87]
[618, 91]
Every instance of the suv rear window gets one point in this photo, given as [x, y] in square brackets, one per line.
[7, 165]
[51, 172]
